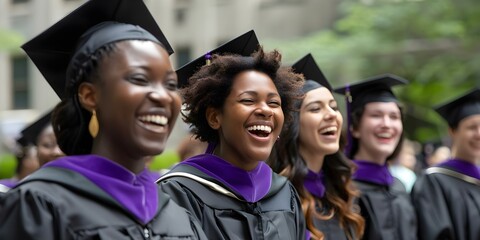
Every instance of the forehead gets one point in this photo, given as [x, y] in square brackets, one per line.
[319, 94]
[253, 81]
[390, 107]
[473, 119]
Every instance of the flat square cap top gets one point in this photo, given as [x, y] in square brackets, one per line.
[31, 132]
[243, 45]
[314, 77]
[461, 107]
[53, 50]
[374, 89]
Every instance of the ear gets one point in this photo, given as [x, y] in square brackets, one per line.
[87, 95]
[451, 132]
[355, 133]
[213, 118]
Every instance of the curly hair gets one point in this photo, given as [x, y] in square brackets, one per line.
[356, 116]
[340, 190]
[211, 85]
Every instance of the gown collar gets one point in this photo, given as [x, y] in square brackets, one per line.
[138, 193]
[315, 183]
[462, 167]
[372, 172]
[251, 185]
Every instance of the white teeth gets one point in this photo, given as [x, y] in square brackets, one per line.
[263, 128]
[384, 135]
[156, 119]
[329, 129]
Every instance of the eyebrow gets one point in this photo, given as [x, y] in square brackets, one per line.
[318, 101]
[256, 93]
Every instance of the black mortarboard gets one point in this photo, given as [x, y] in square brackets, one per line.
[314, 77]
[243, 45]
[52, 50]
[464, 106]
[31, 132]
[374, 89]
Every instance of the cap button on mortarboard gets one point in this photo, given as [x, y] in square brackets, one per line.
[208, 58]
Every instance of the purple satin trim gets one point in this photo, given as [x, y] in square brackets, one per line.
[462, 167]
[251, 185]
[315, 183]
[374, 173]
[9, 182]
[137, 193]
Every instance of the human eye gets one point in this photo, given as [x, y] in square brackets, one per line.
[275, 103]
[247, 101]
[138, 79]
[171, 84]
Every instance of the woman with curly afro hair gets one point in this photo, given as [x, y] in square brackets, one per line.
[238, 104]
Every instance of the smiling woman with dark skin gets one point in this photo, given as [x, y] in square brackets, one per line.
[238, 105]
[119, 107]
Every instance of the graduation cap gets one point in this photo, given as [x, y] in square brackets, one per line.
[314, 77]
[373, 89]
[243, 45]
[32, 131]
[52, 50]
[464, 106]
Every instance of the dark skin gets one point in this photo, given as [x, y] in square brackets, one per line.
[136, 101]
[253, 101]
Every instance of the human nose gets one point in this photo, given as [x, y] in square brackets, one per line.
[159, 94]
[57, 152]
[265, 110]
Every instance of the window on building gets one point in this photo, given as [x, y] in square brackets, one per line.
[183, 56]
[21, 93]
[19, 1]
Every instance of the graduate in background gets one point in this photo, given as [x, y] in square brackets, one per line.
[109, 63]
[238, 104]
[375, 133]
[447, 196]
[26, 152]
[307, 153]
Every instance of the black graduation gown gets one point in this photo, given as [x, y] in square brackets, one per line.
[277, 216]
[56, 203]
[330, 228]
[447, 207]
[388, 211]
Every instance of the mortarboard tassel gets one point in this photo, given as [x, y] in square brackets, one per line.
[348, 100]
[208, 58]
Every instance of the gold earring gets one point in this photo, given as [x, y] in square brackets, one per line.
[93, 124]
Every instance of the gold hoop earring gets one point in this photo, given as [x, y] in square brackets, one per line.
[93, 124]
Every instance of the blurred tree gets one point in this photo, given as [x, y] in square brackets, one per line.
[10, 40]
[434, 44]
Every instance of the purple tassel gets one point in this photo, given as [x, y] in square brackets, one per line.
[348, 100]
[208, 58]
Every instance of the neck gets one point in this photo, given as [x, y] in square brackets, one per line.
[313, 159]
[365, 156]
[135, 164]
[234, 159]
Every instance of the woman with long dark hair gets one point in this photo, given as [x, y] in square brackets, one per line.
[375, 134]
[307, 153]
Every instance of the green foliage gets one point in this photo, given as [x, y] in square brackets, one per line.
[8, 163]
[165, 160]
[433, 43]
[10, 41]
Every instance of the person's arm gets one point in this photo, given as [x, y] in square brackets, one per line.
[431, 208]
[26, 215]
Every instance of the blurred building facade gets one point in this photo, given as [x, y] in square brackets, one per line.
[192, 27]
